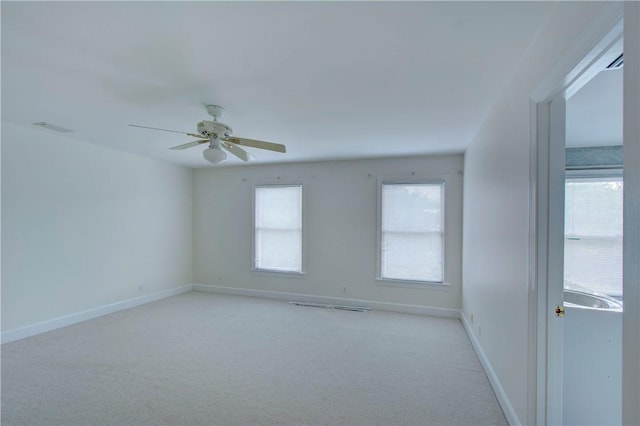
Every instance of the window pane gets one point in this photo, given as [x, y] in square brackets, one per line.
[593, 235]
[412, 256]
[278, 250]
[594, 264]
[412, 237]
[278, 228]
[411, 207]
[593, 207]
[278, 207]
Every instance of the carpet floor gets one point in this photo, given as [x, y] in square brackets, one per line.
[204, 359]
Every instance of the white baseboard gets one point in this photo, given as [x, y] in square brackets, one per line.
[49, 325]
[278, 295]
[507, 408]
[53, 324]
[45, 326]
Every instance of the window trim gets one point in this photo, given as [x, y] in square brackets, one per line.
[593, 173]
[285, 183]
[401, 282]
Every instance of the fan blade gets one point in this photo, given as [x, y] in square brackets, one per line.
[257, 144]
[195, 135]
[237, 151]
[190, 144]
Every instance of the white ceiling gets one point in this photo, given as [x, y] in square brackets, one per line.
[328, 79]
[594, 113]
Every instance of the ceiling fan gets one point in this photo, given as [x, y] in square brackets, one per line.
[218, 135]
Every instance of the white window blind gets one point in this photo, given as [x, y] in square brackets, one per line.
[278, 228]
[412, 231]
[593, 234]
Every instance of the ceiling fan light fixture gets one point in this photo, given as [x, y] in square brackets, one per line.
[214, 155]
[220, 138]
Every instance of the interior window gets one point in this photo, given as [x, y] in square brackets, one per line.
[593, 235]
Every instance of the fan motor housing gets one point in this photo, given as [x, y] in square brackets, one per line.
[214, 129]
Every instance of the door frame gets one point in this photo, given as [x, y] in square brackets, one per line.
[591, 54]
[631, 269]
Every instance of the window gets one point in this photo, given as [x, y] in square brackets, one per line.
[278, 228]
[411, 240]
[593, 235]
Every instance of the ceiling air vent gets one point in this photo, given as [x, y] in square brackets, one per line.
[52, 127]
[617, 63]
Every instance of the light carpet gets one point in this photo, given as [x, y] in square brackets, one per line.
[203, 359]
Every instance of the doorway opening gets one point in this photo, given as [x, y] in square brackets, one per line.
[593, 237]
[549, 156]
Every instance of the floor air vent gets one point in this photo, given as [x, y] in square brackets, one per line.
[52, 127]
[332, 307]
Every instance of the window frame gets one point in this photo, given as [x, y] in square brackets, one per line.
[403, 282]
[282, 184]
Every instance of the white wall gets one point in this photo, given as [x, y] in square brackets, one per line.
[340, 221]
[496, 213]
[84, 226]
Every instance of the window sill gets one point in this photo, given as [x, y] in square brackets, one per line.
[425, 285]
[281, 274]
